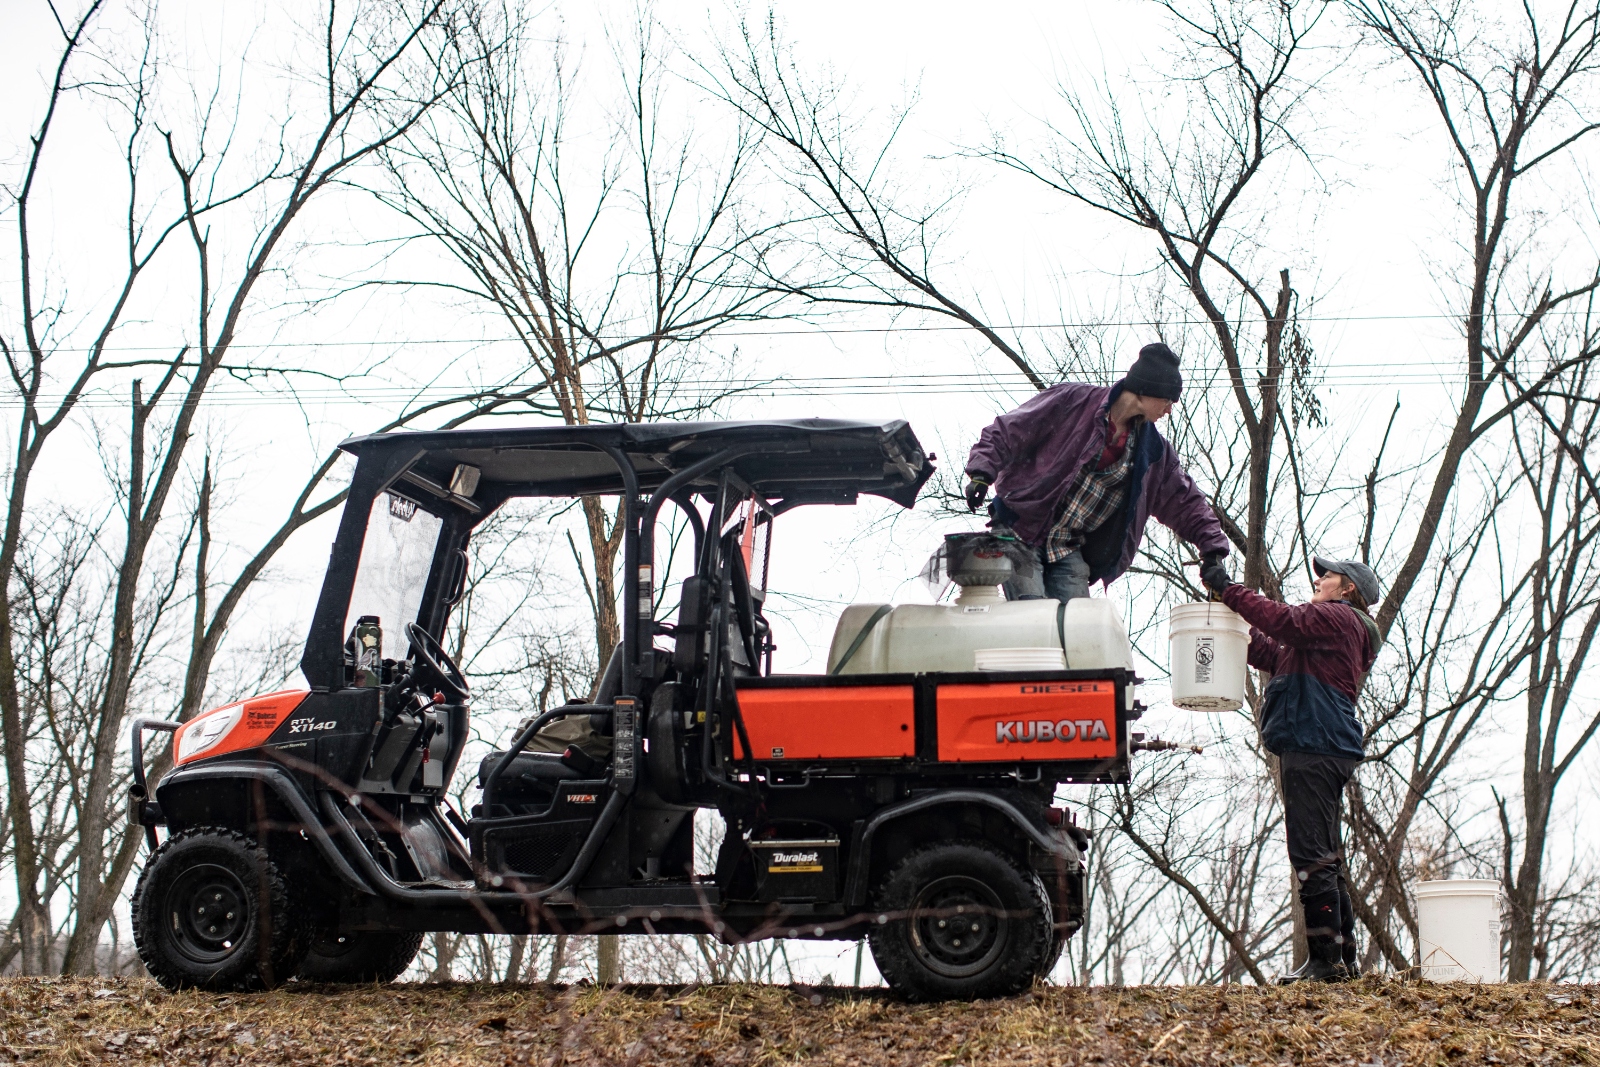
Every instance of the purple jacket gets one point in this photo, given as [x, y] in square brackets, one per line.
[1033, 453]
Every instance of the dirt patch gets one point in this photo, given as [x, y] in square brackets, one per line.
[1370, 1022]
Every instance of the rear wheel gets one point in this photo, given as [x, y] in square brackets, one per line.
[960, 921]
[212, 911]
[359, 956]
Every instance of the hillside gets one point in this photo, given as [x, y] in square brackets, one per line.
[1373, 1022]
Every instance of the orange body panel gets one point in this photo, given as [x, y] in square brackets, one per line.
[848, 722]
[1009, 721]
[262, 715]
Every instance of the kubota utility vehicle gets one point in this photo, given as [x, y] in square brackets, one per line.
[308, 832]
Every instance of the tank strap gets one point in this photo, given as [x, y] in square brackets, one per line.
[861, 638]
[1061, 632]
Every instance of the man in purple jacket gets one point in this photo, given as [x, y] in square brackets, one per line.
[1077, 472]
[1318, 655]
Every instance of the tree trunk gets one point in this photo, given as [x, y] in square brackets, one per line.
[519, 949]
[558, 959]
[445, 947]
[1523, 900]
[32, 918]
[605, 540]
[608, 960]
[1522, 895]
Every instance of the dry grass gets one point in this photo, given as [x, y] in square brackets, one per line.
[1371, 1022]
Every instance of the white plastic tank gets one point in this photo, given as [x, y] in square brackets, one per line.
[919, 638]
[1020, 659]
[1458, 929]
[1209, 643]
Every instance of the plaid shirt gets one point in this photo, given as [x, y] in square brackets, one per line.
[1095, 496]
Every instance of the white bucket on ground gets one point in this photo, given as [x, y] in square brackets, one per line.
[1458, 929]
[1208, 643]
[1019, 659]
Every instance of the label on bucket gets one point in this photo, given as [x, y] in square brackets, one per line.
[1204, 656]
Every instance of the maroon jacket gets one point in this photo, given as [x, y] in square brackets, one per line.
[1032, 454]
[1318, 656]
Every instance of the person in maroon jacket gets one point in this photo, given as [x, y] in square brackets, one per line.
[1318, 655]
[1079, 469]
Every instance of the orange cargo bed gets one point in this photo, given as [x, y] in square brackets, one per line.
[962, 720]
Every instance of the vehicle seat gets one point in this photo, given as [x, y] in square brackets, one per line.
[531, 774]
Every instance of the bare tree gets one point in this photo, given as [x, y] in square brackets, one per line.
[1554, 451]
[1209, 193]
[1509, 618]
[861, 234]
[1513, 101]
[1422, 712]
[1509, 108]
[369, 94]
[613, 260]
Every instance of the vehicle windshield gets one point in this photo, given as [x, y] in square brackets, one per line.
[395, 559]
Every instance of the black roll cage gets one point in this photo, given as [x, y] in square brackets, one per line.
[778, 465]
[783, 464]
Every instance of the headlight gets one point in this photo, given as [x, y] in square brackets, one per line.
[206, 731]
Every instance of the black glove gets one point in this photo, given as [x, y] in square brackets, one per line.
[977, 490]
[1214, 574]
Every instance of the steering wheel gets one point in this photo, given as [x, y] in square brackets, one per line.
[435, 661]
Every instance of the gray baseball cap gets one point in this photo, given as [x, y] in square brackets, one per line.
[1359, 573]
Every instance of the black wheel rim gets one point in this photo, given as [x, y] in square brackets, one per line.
[208, 913]
[334, 946]
[958, 926]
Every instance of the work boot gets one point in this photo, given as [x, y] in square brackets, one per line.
[1324, 964]
[1347, 932]
[1325, 955]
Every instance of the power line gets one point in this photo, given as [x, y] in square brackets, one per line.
[950, 384]
[810, 330]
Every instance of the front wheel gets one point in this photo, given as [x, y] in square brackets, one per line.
[359, 956]
[212, 911]
[960, 921]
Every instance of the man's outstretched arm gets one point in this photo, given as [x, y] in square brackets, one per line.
[1181, 507]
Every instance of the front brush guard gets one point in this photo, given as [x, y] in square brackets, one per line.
[142, 811]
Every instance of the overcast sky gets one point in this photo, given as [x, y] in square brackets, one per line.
[1367, 226]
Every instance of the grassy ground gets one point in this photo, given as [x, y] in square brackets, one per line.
[1371, 1022]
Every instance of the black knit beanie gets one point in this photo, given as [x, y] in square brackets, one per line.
[1155, 373]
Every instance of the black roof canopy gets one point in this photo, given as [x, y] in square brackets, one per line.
[828, 460]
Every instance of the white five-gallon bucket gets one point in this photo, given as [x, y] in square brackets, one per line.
[1019, 659]
[1458, 930]
[1209, 643]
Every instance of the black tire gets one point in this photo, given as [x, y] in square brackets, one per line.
[1058, 944]
[359, 956]
[915, 941]
[212, 911]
